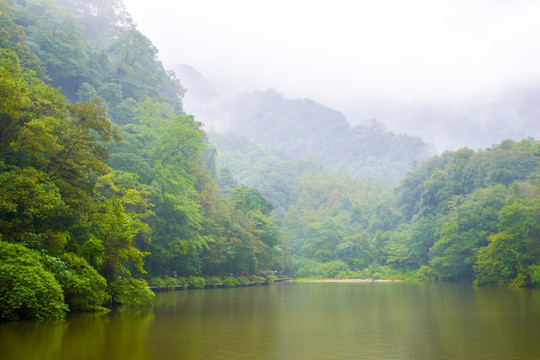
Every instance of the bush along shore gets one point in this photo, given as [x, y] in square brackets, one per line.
[168, 283]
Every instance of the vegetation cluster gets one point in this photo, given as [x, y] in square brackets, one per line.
[104, 180]
[107, 185]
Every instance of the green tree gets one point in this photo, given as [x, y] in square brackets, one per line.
[27, 289]
[512, 253]
[465, 232]
[84, 289]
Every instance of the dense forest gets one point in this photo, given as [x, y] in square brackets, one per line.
[107, 185]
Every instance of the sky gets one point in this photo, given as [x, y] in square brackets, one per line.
[326, 49]
[337, 52]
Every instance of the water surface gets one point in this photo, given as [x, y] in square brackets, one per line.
[299, 321]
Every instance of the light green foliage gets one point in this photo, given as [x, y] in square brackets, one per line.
[425, 273]
[467, 230]
[27, 289]
[115, 230]
[196, 282]
[214, 282]
[230, 281]
[158, 282]
[512, 253]
[535, 274]
[258, 280]
[29, 204]
[307, 268]
[329, 218]
[131, 292]
[242, 281]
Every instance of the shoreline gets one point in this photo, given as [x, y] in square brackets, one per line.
[353, 280]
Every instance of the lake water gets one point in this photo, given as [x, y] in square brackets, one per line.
[298, 321]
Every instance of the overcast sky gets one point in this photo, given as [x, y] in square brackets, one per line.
[330, 50]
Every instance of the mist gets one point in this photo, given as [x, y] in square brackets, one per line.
[437, 69]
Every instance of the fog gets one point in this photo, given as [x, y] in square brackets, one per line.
[442, 70]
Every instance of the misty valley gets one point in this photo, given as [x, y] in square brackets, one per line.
[144, 214]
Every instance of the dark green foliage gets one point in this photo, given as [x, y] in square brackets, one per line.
[27, 289]
[84, 289]
[131, 292]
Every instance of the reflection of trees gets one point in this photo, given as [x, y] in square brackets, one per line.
[83, 336]
[216, 324]
[310, 321]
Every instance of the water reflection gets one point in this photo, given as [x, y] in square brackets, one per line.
[298, 321]
[118, 334]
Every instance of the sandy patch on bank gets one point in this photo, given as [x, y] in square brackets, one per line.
[353, 280]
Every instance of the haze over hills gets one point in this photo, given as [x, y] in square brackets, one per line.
[302, 129]
[477, 123]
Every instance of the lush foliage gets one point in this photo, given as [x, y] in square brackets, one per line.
[463, 216]
[131, 292]
[101, 171]
[105, 180]
[27, 289]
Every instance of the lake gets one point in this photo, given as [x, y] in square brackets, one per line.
[298, 321]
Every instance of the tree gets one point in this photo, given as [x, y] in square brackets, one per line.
[27, 289]
[511, 254]
[84, 289]
[57, 39]
[465, 232]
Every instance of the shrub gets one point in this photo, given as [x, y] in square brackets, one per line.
[27, 289]
[333, 268]
[258, 280]
[214, 282]
[131, 292]
[242, 281]
[346, 275]
[305, 268]
[183, 281]
[270, 279]
[196, 282]
[84, 289]
[157, 282]
[535, 274]
[170, 282]
[229, 281]
[425, 273]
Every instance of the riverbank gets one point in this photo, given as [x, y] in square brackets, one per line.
[194, 283]
[353, 280]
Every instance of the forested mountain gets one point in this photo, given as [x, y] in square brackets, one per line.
[106, 184]
[304, 130]
[105, 179]
[461, 216]
[272, 140]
